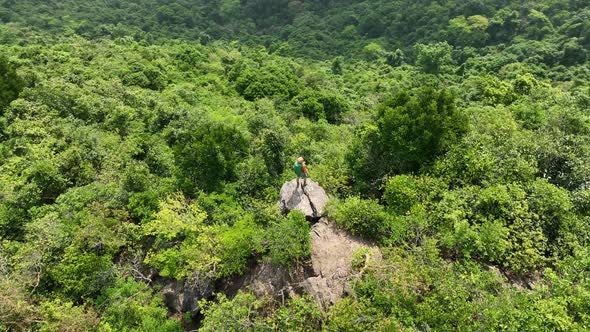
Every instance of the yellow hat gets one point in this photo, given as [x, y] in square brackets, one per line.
[300, 159]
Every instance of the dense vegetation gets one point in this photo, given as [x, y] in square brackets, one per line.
[144, 141]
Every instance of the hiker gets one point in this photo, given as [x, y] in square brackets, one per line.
[301, 171]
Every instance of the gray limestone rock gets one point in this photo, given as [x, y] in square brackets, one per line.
[310, 199]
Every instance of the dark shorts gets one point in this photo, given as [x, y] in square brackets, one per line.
[303, 176]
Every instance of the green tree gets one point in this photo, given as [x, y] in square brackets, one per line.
[396, 58]
[337, 66]
[412, 129]
[573, 53]
[240, 313]
[300, 314]
[373, 51]
[372, 25]
[207, 156]
[434, 58]
[350, 315]
[271, 79]
[65, 316]
[403, 192]
[470, 31]
[11, 84]
[322, 104]
[286, 240]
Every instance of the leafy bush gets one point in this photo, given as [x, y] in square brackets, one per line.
[287, 240]
[317, 105]
[434, 58]
[359, 258]
[495, 224]
[299, 314]
[207, 156]
[186, 244]
[82, 275]
[350, 315]
[494, 151]
[402, 192]
[132, 306]
[363, 217]
[247, 313]
[143, 205]
[65, 316]
[273, 79]
[239, 313]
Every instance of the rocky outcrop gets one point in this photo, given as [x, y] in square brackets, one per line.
[268, 279]
[331, 259]
[332, 248]
[310, 199]
[182, 296]
[326, 277]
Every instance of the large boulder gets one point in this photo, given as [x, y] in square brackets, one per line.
[310, 199]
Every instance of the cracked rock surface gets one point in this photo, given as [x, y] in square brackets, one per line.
[310, 200]
[332, 251]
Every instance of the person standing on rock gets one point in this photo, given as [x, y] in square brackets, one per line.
[301, 171]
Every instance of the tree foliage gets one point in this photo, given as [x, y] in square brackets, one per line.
[142, 143]
[11, 84]
[411, 131]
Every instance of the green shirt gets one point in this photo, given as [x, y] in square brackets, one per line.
[297, 168]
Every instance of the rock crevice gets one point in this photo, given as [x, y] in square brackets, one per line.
[315, 211]
[310, 200]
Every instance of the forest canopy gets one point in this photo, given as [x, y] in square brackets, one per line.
[143, 143]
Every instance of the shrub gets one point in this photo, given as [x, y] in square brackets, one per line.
[65, 316]
[286, 240]
[351, 315]
[363, 217]
[238, 314]
[402, 192]
[300, 314]
[133, 307]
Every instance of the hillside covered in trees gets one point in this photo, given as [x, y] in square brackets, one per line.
[145, 141]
